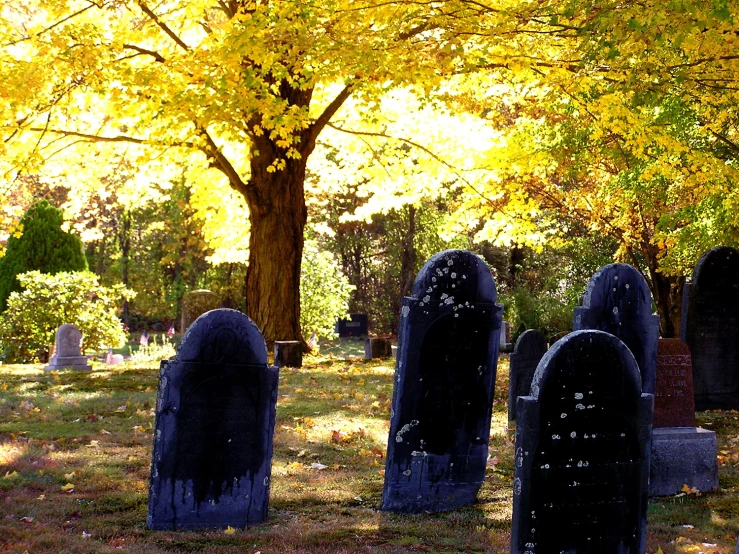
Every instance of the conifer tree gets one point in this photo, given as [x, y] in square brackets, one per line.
[42, 246]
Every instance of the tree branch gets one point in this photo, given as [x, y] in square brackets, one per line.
[219, 161]
[156, 55]
[163, 26]
[319, 124]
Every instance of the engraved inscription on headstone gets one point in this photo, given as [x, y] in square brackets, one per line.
[673, 399]
[67, 354]
[444, 381]
[215, 419]
[530, 347]
[582, 451]
[617, 300]
[710, 326]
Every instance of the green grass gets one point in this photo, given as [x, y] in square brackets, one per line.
[75, 452]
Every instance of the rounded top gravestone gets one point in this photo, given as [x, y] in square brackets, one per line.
[223, 334]
[617, 300]
[582, 451]
[528, 351]
[454, 276]
[194, 304]
[68, 340]
[717, 270]
[710, 327]
[214, 426]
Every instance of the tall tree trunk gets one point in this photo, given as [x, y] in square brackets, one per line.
[278, 214]
[407, 267]
[667, 292]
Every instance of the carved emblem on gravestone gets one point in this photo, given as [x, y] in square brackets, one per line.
[194, 304]
[582, 451]
[67, 354]
[444, 381]
[530, 347]
[617, 300]
[710, 327]
[215, 420]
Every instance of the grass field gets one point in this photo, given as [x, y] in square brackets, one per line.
[75, 452]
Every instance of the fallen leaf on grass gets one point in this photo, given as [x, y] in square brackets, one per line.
[316, 465]
[41, 497]
[68, 488]
[104, 432]
[94, 444]
[27, 519]
[379, 453]
[121, 408]
[300, 454]
[687, 490]
[68, 476]
[229, 530]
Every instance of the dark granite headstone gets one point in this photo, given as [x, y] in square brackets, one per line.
[582, 451]
[710, 326]
[356, 326]
[617, 300]
[215, 419]
[444, 381]
[673, 398]
[530, 347]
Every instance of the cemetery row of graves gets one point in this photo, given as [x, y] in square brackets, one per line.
[331, 457]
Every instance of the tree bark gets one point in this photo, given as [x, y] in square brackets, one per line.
[278, 215]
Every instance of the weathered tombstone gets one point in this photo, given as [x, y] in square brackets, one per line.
[681, 453]
[288, 353]
[710, 326]
[356, 326]
[444, 382]
[582, 451]
[530, 347]
[67, 353]
[377, 347]
[617, 300]
[195, 304]
[215, 419]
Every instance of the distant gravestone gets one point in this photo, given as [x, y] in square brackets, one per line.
[530, 347]
[215, 420]
[582, 451]
[557, 336]
[195, 304]
[355, 327]
[67, 353]
[617, 300]
[377, 347]
[710, 326]
[444, 382]
[681, 453]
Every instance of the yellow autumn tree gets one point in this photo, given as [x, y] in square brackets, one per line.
[243, 87]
